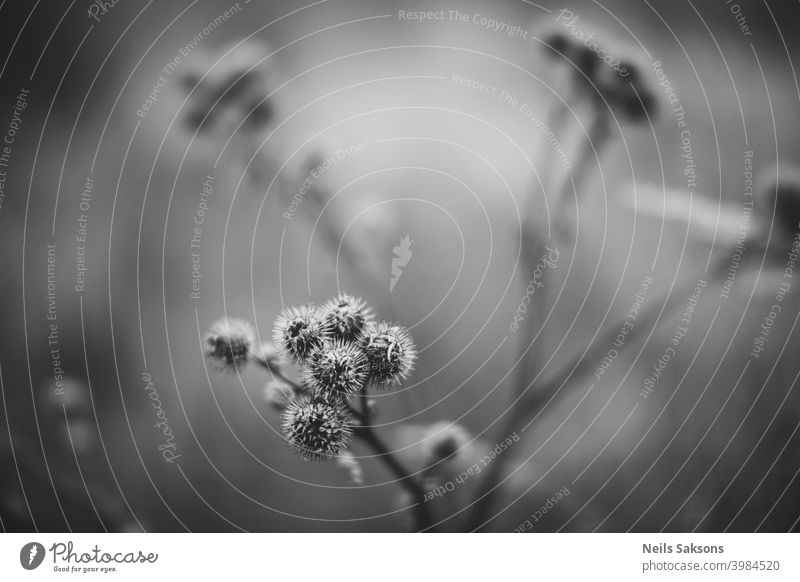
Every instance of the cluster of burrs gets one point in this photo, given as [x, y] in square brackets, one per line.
[341, 352]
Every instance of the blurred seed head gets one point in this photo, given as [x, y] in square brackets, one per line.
[316, 429]
[585, 62]
[299, 331]
[781, 192]
[630, 96]
[557, 43]
[337, 369]
[390, 352]
[226, 89]
[443, 440]
[347, 317]
[229, 343]
[571, 56]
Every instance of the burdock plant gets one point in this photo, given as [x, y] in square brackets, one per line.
[341, 353]
[612, 95]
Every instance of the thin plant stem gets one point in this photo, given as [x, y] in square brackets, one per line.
[530, 404]
[404, 477]
[423, 515]
[365, 432]
[595, 143]
[278, 373]
[532, 246]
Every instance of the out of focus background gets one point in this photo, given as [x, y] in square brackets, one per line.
[166, 164]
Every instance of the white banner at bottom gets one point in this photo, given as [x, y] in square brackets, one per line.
[388, 557]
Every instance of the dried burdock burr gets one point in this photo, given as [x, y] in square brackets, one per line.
[316, 429]
[230, 343]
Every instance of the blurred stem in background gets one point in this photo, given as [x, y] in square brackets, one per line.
[609, 94]
[550, 391]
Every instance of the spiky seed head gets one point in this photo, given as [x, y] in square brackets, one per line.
[298, 331]
[347, 317]
[229, 343]
[390, 353]
[339, 368]
[316, 429]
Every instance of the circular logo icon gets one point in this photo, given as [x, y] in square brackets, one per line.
[31, 555]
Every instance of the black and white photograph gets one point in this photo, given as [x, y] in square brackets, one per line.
[275, 269]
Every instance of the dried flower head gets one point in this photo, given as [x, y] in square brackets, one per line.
[337, 369]
[390, 353]
[317, 429]
[298, 331]
[230, 342]
[228, 88]
[629, 95]
[347, 317]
